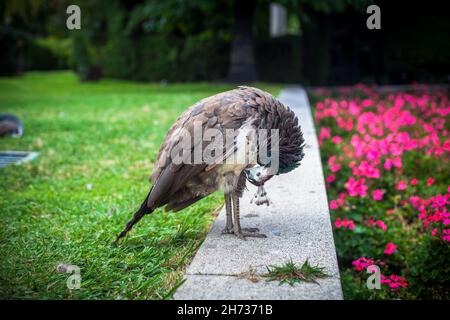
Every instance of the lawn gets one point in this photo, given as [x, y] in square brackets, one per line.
[386, 160]
[97, 144]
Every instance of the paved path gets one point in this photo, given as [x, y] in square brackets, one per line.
[297, 225]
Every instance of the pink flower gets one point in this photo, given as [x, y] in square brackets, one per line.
[365, 169]
[362, 263]
[346, 223]
[336, 140]
[325, 133]
[380, 224]
[446, 235]
[335, 167]
[356, 187]
[388, 164]
[341, 199]
[386, 135]
[394, 281]
[333, 205]
[401, 185]
[377, 195]
[348, 125]
[433, 211]
[351, 226]
[415, 201]
[390, 248]
[397, 162]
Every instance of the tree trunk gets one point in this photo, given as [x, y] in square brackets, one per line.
[242, 58]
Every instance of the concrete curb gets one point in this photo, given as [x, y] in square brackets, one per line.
[297, 225]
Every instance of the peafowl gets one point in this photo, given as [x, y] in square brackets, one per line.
[183, 174]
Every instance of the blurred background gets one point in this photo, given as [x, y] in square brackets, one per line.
[313, 42]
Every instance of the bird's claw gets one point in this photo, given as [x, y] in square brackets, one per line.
[260, 197]
[248, 232]
[227, 230]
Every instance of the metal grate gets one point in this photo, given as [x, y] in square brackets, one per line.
[16, 157]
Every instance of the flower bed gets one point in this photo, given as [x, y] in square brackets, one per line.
[386, 162]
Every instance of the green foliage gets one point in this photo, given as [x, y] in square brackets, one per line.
[190, 40]
[22, 8]
[27, 38]
[153, 59]
[81, 58]
[420, 257]
[59, 48]
[290, 273]
[173, 40]
[430, 269]
[202, 57]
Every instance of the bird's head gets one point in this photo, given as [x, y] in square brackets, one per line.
[258, 174]
[284, 149]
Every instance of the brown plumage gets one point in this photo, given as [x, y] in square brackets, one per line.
[178, 185]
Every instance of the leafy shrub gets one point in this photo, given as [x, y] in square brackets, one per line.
[147, 58]
[203, 56]
[60, 49]
[386, 159]
[27, 53]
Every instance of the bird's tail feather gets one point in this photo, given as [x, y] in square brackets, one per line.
[143, 210]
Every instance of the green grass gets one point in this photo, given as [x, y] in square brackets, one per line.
[107, 135]
[290, 273]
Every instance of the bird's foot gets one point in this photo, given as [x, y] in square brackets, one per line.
[228, 230]
[248, 232]
[260, 197]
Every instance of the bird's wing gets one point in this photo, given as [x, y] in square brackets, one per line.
[228, 110]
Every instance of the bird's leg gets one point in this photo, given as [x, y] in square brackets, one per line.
[229, 227]
[237, 223]
[238, 231]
